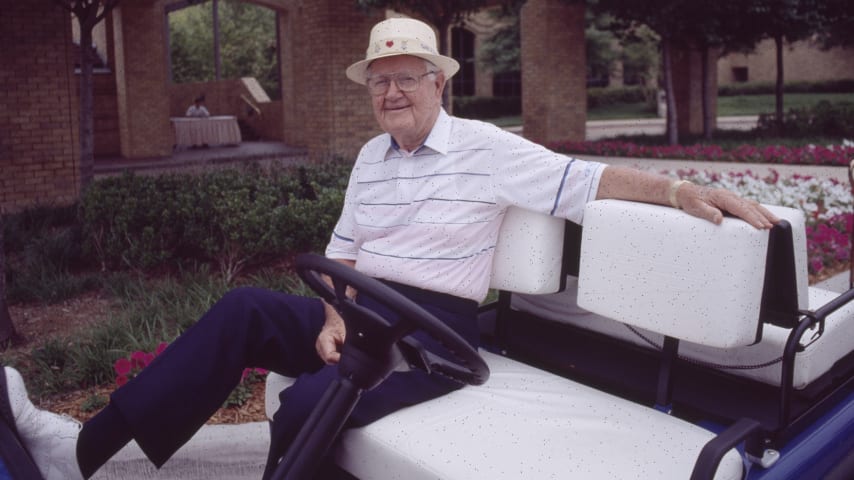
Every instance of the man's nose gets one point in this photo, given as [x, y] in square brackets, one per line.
[393, 90]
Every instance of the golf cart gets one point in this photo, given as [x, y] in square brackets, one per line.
[647, 345]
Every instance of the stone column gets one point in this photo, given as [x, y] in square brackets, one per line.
[142, 79]
[554, 78]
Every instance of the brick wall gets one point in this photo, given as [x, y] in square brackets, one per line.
[38, 114]
[332, 114]
[688, 88]
[554, 79]
[142, 78]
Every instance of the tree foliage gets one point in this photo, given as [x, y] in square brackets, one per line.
[248, 43]
[442, 14]
[8, 334]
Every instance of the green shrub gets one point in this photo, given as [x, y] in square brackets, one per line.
[832, 120]
[487, 107]
[233, 218]
[768, 88]
[600, 97]
[45, 255]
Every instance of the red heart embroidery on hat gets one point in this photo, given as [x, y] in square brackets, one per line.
[389, 43]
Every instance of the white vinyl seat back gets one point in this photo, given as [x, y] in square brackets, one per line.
[529, 253]
[661, 269]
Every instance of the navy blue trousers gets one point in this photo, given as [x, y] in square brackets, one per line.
[176, 394]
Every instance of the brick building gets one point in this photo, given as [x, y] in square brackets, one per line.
[802, 61]
[319, 109]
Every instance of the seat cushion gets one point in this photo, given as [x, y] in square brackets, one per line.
[661, 269]
[526, 423]
[815, 360]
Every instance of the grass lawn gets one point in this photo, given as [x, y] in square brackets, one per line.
[756, 104]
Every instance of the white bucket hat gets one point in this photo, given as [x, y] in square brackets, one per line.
[401, 36]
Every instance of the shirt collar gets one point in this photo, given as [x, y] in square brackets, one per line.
[438, 138]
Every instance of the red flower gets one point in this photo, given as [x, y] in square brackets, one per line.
[122, 367]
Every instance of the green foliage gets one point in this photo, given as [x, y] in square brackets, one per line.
[45, 254]
[93, 403]
[767, 88]
[234, 218]
[248, 43]
[191, 44]
[834, 120]
[487, 107]
[599, 97]
[500, 52]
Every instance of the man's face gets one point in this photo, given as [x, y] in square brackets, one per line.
[407, 116]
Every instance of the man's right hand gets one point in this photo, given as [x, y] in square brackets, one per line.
[331, 337]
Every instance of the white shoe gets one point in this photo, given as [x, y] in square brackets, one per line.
[51, 439]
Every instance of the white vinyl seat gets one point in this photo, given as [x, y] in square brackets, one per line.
[525, 422]
[694, 291]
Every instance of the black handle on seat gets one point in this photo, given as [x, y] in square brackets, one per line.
[713, 451]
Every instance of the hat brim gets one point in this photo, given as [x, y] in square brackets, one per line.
[358, 72]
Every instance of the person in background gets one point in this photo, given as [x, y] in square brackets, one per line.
[197, 109]
[421, 213]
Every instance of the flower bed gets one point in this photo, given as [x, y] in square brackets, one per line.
[834, 155]
[827, 205]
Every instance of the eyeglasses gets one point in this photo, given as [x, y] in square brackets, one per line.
[406, 82]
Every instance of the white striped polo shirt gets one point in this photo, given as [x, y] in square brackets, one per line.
[431, 219]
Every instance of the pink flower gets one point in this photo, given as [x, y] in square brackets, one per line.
[122, 367]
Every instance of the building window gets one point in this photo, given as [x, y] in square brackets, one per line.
[221, 39]
[507, 84]
[739, 74]
[462, 50]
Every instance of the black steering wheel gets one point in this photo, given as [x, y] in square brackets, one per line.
[373, 346]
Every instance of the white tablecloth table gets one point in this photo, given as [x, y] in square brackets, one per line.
[197, 131]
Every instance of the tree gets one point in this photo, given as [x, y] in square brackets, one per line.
[8, 335]
[662, 17]
[246, 39]
[784, 21]
[837, 24]
[500, 53]
[88, 14]
[443, 14]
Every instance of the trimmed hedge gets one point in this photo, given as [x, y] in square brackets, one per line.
[234, 218]
[825, 119]
[767, 88]
[487, 107]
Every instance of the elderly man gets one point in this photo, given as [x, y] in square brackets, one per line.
[421, 213]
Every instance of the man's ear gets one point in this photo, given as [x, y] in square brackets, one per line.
[440, 84]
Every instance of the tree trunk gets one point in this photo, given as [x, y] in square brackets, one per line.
[86, 117]
[672, 132]
[8, 335]
[778, 87]
[708, 119]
